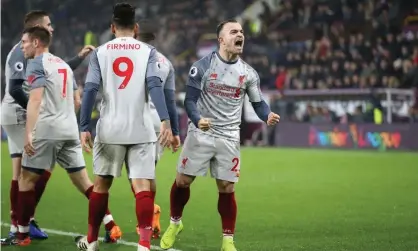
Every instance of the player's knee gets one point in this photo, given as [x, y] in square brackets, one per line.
[140, 185]
[102, 183]
[225, 186]
[184, 181]
[28, 178]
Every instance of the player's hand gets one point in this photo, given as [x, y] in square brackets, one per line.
[29, 149]
[166, 134]
[86, 141]
[273, 119]
[175, 143]
[86, 51]
[204, 124]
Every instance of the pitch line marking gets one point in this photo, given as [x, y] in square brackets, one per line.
[71, 234]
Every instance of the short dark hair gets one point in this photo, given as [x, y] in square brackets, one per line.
[39, 33]
[123, 15]
[222, 24]
[147, 30]
[34, 16]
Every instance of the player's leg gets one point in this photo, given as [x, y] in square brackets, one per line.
[107, 164]
[141, 164]
[14, 191]
[71, 158]
[32, 169]
[83, 183]
[227, 208]
[194, 160]
[16, 155]
[225, 168]
[156, 228]
[16, 134]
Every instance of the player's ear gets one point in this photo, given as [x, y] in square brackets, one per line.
[36, 42]
[112, 28]
[220, 40]
[136, 29]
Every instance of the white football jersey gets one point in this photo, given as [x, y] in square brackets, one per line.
[122, 66]
[57, 119]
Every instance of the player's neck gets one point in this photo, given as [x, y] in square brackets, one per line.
[228, 57]
[41, 51]
[124, 33]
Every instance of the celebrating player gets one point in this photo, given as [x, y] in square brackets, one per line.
[14, 116]
[214, 97]
[147, 34]
[128, 71]
[51, 128]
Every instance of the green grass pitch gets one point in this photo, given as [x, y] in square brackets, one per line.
[288, 199]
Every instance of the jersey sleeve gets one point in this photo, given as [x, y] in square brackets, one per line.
[17, 63]
[253, 87]
[35, 73]
[197, 72]
[153, 66]
[94, 74]
[170, 83]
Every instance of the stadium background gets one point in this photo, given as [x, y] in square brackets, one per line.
[342, 74]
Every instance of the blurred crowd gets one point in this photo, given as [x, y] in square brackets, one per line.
[357, 45]
[295, 44]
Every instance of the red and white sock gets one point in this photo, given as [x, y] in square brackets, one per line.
[227, 208]
[97, 210]
[178, 199]
[144, 215]
[14, 193]
[108, 220]
[26, 205]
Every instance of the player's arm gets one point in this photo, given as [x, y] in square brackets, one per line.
[36, 78]
[155, 87]
[170, 99]
[77, 60]
[193, 92]
[17, 78]
[256, 97]
[93, 81]
[77, 99]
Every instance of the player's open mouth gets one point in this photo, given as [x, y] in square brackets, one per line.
[239, 43]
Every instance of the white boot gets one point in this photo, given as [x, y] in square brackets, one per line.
[84, 245]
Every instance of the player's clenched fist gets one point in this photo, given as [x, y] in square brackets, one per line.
[86, 141]
[166, 135]
[204, 124]
[273, 119]
[86, 51]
